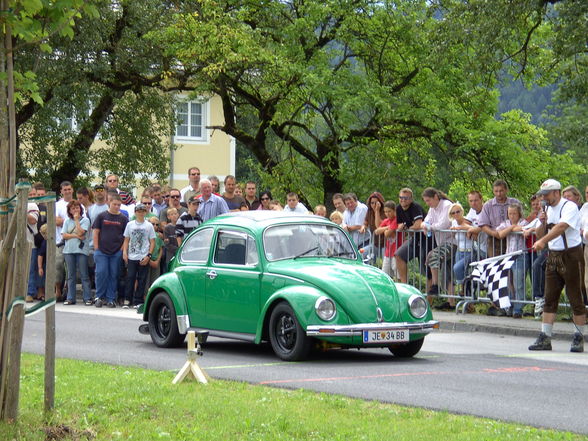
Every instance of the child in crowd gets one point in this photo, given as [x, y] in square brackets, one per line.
[337, 217]
[155, 262]
[138, 247]
[320, 210]
[515, 242]
[170, 237]
[388, 228]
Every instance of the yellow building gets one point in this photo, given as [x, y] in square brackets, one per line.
[212, 151]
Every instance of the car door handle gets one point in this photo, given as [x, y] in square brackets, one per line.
[212, 274]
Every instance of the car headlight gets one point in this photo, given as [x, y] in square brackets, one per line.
[418, 306]
[325, 308]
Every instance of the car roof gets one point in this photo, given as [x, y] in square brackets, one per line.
[259, 219]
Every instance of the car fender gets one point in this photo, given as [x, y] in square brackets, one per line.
[169, 283]
[405, 291]
[301, 298]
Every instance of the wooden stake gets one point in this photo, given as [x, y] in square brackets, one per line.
[49, 402]
[16, 323]
[191, 368]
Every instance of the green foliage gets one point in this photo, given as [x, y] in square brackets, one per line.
[363, 96]
[108, 84]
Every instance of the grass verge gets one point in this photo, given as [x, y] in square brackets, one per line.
[103, 402]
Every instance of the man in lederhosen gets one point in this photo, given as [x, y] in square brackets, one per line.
[560, 230]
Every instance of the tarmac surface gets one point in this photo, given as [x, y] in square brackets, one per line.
[449, 321]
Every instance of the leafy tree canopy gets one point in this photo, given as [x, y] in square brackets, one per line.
[360, 95]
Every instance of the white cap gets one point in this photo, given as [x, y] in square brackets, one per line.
[549, 185]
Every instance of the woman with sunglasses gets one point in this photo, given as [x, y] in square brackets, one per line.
[264, 198]
[465, 245]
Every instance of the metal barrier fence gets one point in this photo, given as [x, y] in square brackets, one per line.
[438, 263]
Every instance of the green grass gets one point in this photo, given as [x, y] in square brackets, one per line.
[103, 402]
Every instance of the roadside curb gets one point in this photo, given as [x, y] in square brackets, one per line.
[505, 326]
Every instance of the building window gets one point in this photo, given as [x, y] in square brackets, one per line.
[191, 121]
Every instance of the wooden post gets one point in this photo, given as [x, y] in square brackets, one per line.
[16, 322]
[6, 272]
[50, 312]
[191, 368]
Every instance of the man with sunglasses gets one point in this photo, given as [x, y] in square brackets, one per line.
[173, 202]
[193, 187]
[112, 182]
[410, 217]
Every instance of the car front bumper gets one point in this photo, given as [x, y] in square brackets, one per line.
[357, 329]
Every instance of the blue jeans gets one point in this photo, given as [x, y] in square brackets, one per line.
[34, 279]
[135, 272]
[538, 274]
[73, 263]
[107, 269]
[518, 277]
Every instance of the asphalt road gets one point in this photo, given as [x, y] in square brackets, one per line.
[480, 374]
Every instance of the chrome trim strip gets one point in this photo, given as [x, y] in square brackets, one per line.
[183, 323]
[357, 329]
[227, 334]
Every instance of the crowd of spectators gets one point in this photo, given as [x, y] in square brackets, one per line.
[119, 245]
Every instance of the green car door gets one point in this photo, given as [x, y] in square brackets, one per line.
[233, 282]
[192, 274]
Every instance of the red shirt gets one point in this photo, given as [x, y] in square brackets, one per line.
[393, 242]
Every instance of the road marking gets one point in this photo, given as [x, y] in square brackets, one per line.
[411, 374]
[236, 366]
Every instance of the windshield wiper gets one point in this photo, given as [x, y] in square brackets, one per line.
[306, 252]
[341, 253]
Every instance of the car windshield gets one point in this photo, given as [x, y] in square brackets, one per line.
[306, 240]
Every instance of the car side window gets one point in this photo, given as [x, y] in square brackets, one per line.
[235, 248]
[252, 255]
[197, 246]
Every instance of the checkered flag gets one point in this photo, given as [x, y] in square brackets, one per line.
[492, 274]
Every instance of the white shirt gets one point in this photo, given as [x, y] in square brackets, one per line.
[354, 219]
[584, 221]
[438, 219]
[185, 189]
[571, 216]
[61, 211]
[300, 208]
[473, 216]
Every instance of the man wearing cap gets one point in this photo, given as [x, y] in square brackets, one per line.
[136, 252]
[190, 220]
[560, 231]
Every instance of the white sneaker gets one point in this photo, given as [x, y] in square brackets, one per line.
[126, 304]
[539, 304]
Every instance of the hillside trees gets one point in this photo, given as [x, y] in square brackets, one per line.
[105, 83]
[354, 94]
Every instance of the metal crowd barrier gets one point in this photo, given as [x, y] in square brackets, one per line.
[526, 280]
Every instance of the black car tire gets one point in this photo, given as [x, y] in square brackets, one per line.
[407, 350]
[289, 341]
[163, 322]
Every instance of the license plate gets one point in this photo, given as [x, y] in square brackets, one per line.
[386, 336]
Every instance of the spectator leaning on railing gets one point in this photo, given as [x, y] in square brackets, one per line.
[437, 219]
[493, 214]
[515, 242]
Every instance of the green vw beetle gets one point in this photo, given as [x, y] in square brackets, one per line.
[296, 281]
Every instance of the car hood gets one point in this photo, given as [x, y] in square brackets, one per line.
[358, 289]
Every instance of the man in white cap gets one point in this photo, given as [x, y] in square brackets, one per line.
[560, 231]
